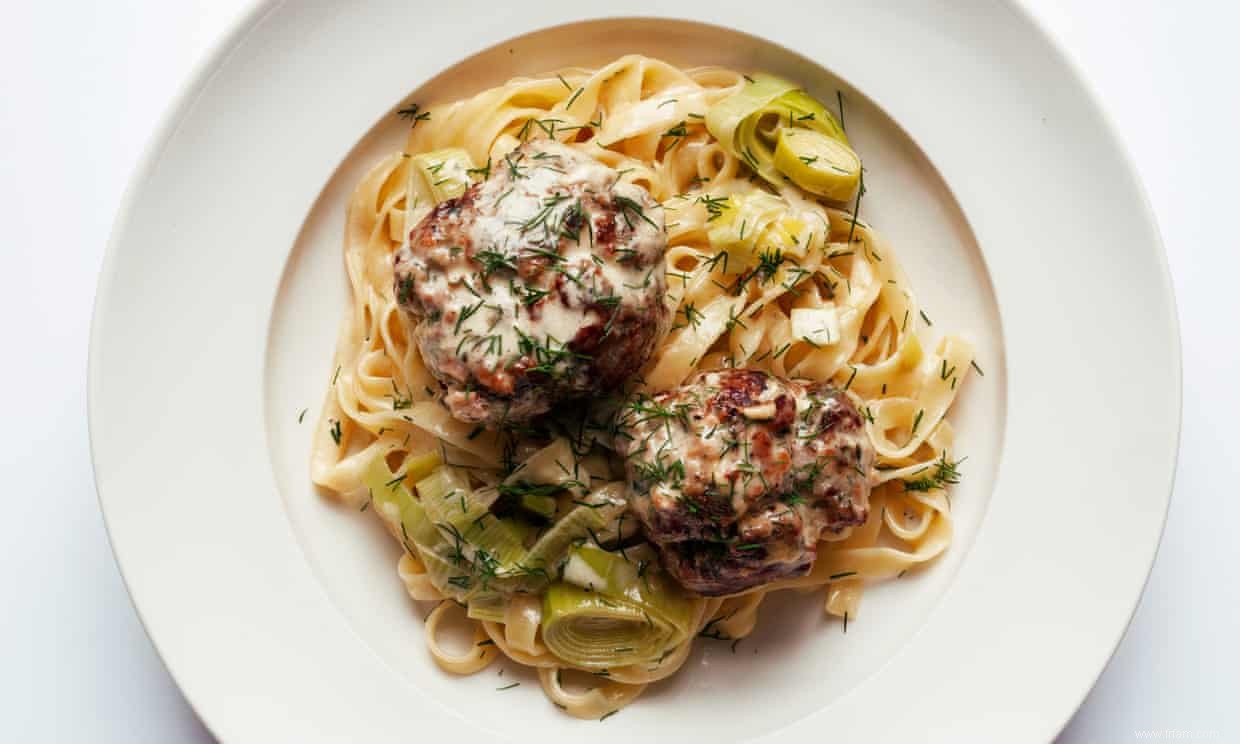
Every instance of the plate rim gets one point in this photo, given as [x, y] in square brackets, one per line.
[1111, 129]
[168, 122]
[188, 91]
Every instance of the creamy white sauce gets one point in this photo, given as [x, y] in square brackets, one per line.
[528, 195]
[549, 246]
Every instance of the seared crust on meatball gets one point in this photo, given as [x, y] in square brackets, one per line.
[543, 283]
[736, 474]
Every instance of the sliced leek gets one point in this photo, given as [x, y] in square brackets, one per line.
[487, 606]
[393, 502]
[444, 172]
[817, 163]
[417, 467]
[808, 112]
[610, 572]
[743, 219]
[553, 465]
[388, 494]
[542, 504]
[407, 519]
[632, 613]
[465, 519]
[552, 469]
[591, 515]
[592, 631]
[470, 554]
[734, 121]
[748, 124]
[757, 226]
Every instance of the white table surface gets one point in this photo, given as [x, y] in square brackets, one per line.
[82, 86]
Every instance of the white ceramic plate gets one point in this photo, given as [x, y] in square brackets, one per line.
[988, 166]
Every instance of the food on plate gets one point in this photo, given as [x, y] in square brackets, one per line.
[736, 474]
[623, 358]
[542, 283]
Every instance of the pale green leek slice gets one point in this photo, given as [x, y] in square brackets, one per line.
[542, 504]
[465, 519]
[818, 163]
[445, 172]
[487, 606]
[734, 121]
[758, 228]
[592, 631]
[393, 502]
[551, 469]
[590, 517]
[748, 122]
[467, 550]
[808, 112]
[632, 613]
[417, 467]
[553, 465]
[743, 218]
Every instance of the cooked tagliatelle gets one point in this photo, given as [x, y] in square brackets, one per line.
[525, 523]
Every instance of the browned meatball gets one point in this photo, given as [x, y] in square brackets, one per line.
[736, 474]
[544, 282]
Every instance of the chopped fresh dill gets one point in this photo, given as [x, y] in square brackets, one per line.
[484, 172]
[413, 113]
[944, 473]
